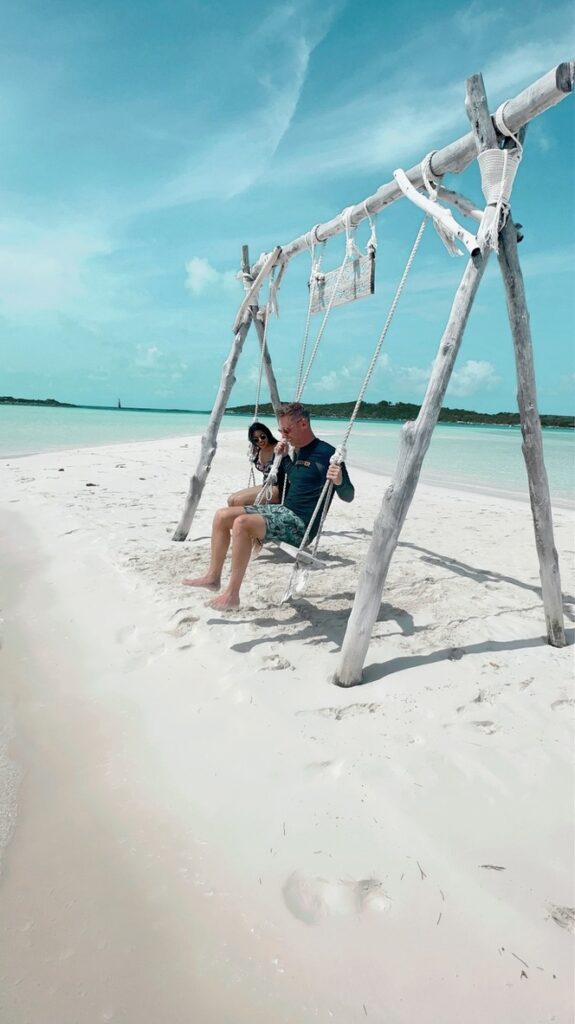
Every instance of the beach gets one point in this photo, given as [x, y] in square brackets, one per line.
[200, 827]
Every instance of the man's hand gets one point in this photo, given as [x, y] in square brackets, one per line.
[334, 474]
[281, 448]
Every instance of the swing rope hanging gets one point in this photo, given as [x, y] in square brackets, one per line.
[298, 575]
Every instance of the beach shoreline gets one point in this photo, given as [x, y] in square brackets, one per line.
[205, 826]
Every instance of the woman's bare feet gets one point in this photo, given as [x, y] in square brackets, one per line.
[225, 602]
[207, 582]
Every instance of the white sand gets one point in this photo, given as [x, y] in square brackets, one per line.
[207, 831]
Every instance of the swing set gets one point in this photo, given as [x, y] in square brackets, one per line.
[497, 144]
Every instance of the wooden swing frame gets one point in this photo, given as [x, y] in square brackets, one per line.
[543, 94]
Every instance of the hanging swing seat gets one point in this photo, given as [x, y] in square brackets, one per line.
[301, 555]
[356, 280]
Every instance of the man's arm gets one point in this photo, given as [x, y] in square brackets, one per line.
[343, 486]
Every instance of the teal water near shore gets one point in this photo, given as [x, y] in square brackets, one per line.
[483, 458]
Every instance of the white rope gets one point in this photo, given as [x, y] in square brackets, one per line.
[303, 381]
[372, 240]
[340, 453]
[264, 315]
[312, 285]
[432, 183]
[427, 175]
[498, 168]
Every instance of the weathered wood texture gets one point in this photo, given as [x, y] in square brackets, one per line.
[209, 442]
[415, 440]
[532, 436]
[485, 138]
[260, 330]
[546, 92]
[270, 375]
[439, 213]
[269, 261]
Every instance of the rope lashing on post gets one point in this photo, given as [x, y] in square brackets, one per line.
[432, 183]
[498, 168]
[439, 214]
[312, 285]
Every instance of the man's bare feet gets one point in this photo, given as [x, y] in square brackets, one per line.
[225, 603]
[207, 582]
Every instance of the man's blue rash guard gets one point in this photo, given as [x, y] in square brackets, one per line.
[306, 477]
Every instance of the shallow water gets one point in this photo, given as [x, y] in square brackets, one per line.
[484, 458]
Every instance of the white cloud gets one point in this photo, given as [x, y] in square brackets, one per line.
[42, 266]
[475, 375]
[201, 277]
[350, 376]
[148, 357]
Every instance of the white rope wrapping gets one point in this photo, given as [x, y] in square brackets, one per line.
[498, 168]
[500, 124]
[426, 174]
[312, 285]
[432, 188]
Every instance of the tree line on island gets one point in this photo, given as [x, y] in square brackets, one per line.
[381, 411]
[402, 411]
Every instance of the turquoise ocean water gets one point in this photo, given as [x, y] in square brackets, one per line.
[478, 457]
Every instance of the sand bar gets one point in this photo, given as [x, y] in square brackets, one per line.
[204, 829]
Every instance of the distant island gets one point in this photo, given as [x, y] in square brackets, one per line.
[403, 411]
[8, 400]
[390, 411]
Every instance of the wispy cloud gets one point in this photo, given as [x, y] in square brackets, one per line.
[202, 277]
[391, 123]
[226, 162]
[42, 266]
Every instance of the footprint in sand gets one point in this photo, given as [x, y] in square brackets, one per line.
[275, 662]
[312, 900]
[183, 626]
[563, 704]
[143, 647]
[349, 711]
[563, 916]
[324, 769]
[487, 727]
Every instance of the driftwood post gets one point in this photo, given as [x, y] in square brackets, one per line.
[415, 440]
[527, 399]
[260, 329]
[532, 437]
[227, 381]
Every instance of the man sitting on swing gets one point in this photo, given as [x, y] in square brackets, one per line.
[243, 527]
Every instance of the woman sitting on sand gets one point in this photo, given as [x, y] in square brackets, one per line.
[262, 444]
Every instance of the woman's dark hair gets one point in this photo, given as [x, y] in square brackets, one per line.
[260, 428]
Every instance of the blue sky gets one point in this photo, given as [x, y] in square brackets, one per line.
[143, 144]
